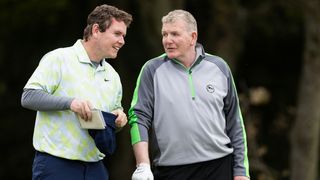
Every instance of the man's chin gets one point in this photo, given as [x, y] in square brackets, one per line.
[112, 56]
[171, 56]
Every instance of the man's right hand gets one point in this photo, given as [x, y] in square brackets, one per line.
[143, 172]
[82, 107]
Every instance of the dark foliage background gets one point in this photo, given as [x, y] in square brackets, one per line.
[263, 41]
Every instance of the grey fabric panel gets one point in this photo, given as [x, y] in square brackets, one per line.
[144, 107]
[187, 127]
[234, 128]
[39, 100]
[220, 63]
[233, 119]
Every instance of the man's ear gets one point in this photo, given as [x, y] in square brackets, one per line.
[194, 38]
[95, 30]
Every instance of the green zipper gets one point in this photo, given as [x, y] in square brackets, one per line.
[193, 92]
[191, 85]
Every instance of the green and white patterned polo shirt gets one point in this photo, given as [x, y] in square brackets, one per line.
[69, 72]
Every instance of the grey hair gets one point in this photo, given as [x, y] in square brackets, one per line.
[179, 14]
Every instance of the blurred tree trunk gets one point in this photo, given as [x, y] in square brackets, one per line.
[305, 133]
[226, 32]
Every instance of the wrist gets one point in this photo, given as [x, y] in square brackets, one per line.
[69, 102]
[143, 165]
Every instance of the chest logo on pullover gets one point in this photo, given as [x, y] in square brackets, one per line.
[210, 88]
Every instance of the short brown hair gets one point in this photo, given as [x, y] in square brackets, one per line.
[102, 16]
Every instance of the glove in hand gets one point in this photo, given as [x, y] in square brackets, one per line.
[143, 172]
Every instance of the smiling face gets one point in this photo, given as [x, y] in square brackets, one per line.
[177, 41]
[109, 42]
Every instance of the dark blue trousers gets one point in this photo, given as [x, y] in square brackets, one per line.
[218, 169]
[48, 167]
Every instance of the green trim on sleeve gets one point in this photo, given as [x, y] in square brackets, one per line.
[135, 135]
[134, 131]
[246, 160]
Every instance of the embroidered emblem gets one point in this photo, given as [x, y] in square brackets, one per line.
[210, 88]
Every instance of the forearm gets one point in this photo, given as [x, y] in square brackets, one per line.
[143, 171]
[40, 100]
[141, 152]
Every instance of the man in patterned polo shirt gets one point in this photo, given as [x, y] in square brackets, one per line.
[69, 82]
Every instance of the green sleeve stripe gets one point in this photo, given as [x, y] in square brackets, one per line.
[246, 161]
[134, 131]
[135, 135]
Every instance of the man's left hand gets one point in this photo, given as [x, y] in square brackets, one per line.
[121, 118]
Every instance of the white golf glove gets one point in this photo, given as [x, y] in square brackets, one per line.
[143, 172]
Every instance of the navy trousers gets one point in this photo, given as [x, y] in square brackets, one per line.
[218, 169]
[48, 167]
